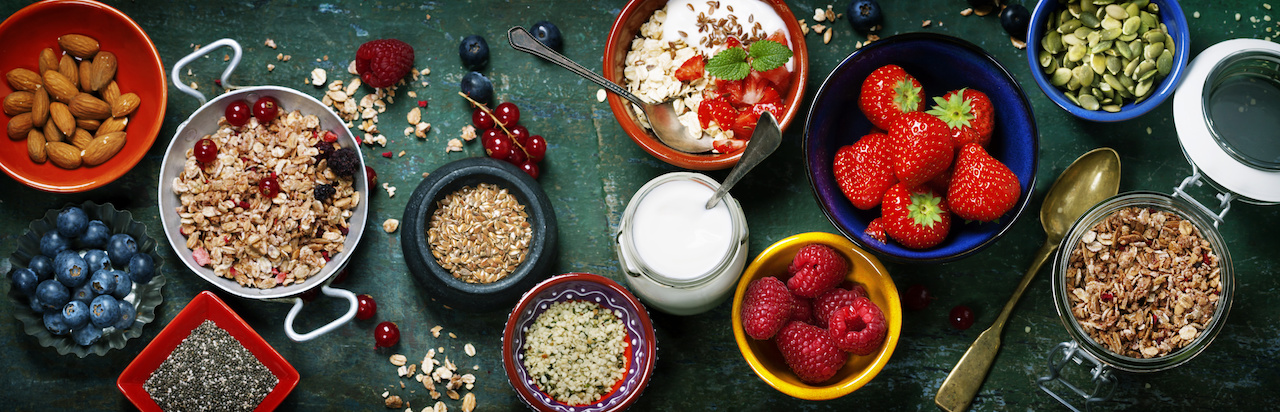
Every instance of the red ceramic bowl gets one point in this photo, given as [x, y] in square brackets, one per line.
[205, 306]
[24, 34]
[625, 29]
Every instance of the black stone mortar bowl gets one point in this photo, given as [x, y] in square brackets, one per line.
[439, 283]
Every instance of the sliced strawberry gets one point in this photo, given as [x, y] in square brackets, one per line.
[692, 69]
[888, 93]
[745, 125]
[719, 111]
[779, 37]
[864, 170]
[730, 90]
[758, 90]
[779, 77]
[732, 42]
[728, 145]
[983, 189]
[917, 218]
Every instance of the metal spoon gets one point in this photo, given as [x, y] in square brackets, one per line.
[764, 140]
[1092, 178]
[662, 116]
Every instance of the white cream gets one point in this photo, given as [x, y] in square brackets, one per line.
[675, 234]
[682, 22]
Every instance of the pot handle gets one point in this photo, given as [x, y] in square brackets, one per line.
[226, 74]
[297, 307]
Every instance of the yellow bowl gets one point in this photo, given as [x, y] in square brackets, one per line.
[763, 355]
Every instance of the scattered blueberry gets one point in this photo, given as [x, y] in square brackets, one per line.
[96, 259]
[52, 243]
[474, 52]
[52, 295]
[36, 305]
[142, 268]
[103, 282]
[1015, 19]
[102, 312]
[76, 314]
[87, 335]
[96, 236]
[70, 269]
[123, 284]
[478, 87]
[42, 265]
[548, 34]
[125, 315]
[55, 323]
[84, 293]
[25, 281]
[72, 222]
[865, 15]
[120, 248]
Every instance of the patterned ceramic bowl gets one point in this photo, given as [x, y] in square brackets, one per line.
[641, 340]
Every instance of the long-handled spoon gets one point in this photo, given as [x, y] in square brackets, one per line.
[764, 140]
[666, 124]
[1092, 178]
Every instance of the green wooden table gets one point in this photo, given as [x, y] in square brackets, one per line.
[590, 173]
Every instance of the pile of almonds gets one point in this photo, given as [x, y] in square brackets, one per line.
[70, 111]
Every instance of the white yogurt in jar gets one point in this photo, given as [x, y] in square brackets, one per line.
[753, 16]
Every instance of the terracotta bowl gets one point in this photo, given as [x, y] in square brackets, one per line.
[35, 27]
[627, 26]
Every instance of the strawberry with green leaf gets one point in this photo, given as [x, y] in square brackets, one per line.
[864, 170]
[888, 93]
[918, 218]
[982, 189]
[921, 147]
[969, 113]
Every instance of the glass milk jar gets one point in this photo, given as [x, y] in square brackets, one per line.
[678, 256]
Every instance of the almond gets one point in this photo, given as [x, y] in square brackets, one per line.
[52, 134]
[19, 126]
[35, 146]
[86, 70]
[81, 138]
[125, 105]
[104, 69]
[67, 66]
[111, 93]
[23, 79]
[39, 107]
[64, 155]
[78, 45]
[48, 60]
[18, 102]
[102, 148]
[62, 117]
[59, 86]
[85, 106]
[88, 124]
[114, 124]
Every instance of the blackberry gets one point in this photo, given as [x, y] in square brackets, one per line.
[344, 162]
[324, 192]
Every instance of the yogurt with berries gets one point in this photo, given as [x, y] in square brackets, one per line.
[704, 25]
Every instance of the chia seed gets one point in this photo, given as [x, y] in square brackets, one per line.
[210, 371]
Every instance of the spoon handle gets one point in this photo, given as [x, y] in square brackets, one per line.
[764, 140]
[964, 381]
[521, 40]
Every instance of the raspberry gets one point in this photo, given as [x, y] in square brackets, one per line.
[816, 269]
[766, 307]
[810, 352]
[382, 62]
[802, 310]
[827, 303]
[858, 328]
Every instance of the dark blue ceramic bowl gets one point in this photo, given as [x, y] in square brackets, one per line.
[941, 64]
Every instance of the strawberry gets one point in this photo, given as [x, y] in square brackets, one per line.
[691, 69]
[875, 229]
[728, 90]
[728, 145]
[942, 183]
[717, 110]
[745, 124]
[921, 147]
[966, 109]
[888, 93]
[915, 217]
[982, 189]
[864, 170]
[758, 90]
[810, 352]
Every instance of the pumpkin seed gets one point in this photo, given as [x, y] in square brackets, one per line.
[1090, 21]
[1098, 63]
[1131, 25]
[1143, 88]
[1114, 65]
[1153, 35]
[1088, 7]
[1083, 75]
[1131, 67]
[1164, 63]
[1131, 10]
[1071, 40]
[1045, 58]
[1088, 102]
[1102, 46]
[1111, 80]
[1135, 47]
[1082, 33]
[1147, 75]
[1052, 42]
[1074, 8]
[1112, 108]
[1168, 42]
[1124, 51]
[1117, 12]
[1152, 51]
[1111, 23]
[1145, 67]
[1069, 27]
[1111, 34]
[1077, 52]
[1072, 97]
[1154, 8]
[1149, 20]
[1060, 77]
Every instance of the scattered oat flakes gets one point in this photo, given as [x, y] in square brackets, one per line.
[412, 93]
[872, 37]
[391, 190]
[804, 27]
[271, 67]
[318, 77]
[414, 116]
[1018, 43]
[435, 333]
[351, 68]
[385, 393]
[398, 359]
[425, 174]
[926, 23]
[287, 57]
[425, 71]
[390, 225]
[600, 95]
[1196, 15]
[819, 15]
[826, 37]
[226, 57]
[830, 14]
[819, 28]
[394, 402]
[401, 384]
[440, 407]
[270, 43]
[966, 12]
[401, 154]
[455, 145]
[279, 56]
[469, 349]
[194, 85]
[422, 128]
[452, 336]
[469, 402]
[468, 132]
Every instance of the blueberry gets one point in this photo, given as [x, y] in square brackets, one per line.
[1015, 19]
[123, 284]
[865, 15]
[36, 306]
[125, 315]
[72, 222]
[52, 243]
[102, 312]
[478, 87]
[96, 259]
[52, 295]
[103, 282]
[142, 268]
[42, 265]
[474, 52]
[547, 34]
[76, 314]
[84, 293]
[87, 335]
[70, 269]
[120, 249]
[96, 236]
[55, 323]
[24, 280]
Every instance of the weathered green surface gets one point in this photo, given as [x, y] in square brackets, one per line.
[591, 170]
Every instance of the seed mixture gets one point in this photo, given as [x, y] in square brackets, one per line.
[576, 351]
[480, 234]
[210, 371]
[261, 241]
[1143, 282]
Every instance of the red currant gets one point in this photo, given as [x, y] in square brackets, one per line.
[206, 151]
[238, 113]
[536, 146]
[507, 113]
[496, 144]
[366, 307]
[482, 119]
[917, 297]
[386, 335]
[505, 153]
[269, 186]
[961, 317]
[266, 109]
[520, 134]
[371, 176]
[530, 168]
[517, 157]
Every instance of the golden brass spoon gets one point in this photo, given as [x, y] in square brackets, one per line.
[1091, 178]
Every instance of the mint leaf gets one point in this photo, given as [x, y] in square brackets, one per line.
[729, 64]
[768, 55]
